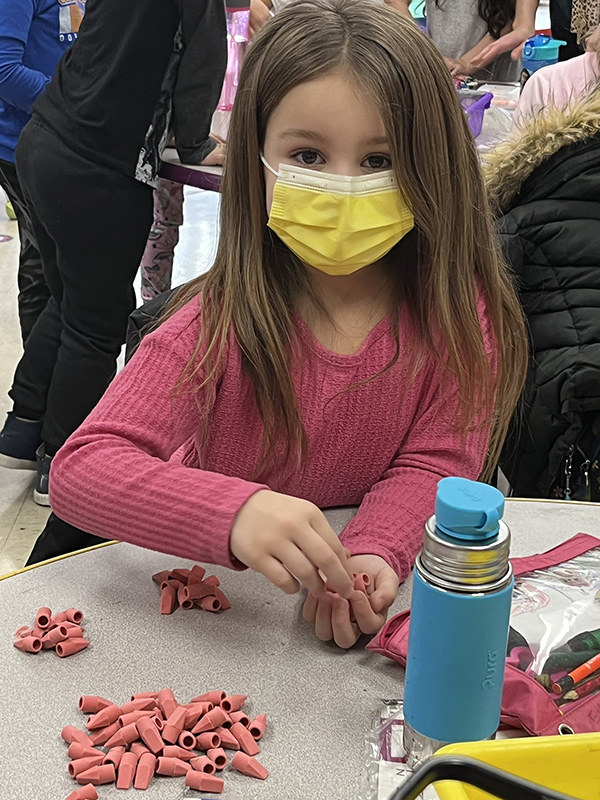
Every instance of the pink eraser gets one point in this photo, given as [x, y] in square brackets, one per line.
[139, 748]
[187, 740]
[197, 591]
[174, 751]
[144, 695]
[104, 717]
[194, 712]
[74, 615]
[29, 644]
[228, 740]
[196, 575]
[223, 599]
[38, 632]
[81, 750]
[173, 767]
[239, 716]
[83, 764]
[93, 703]
[70, 647]
[180, 574]
[105, 773]
[43, 617]
[211, 720]
[258, 726]
[208, 741]
[210, 604]
[168, 599]
[233, 702]
[218, 756]
[161, 577]
[212, 579]
[145, 771]
[174, 725]
[209, 697]
[102, 735]
[139, 704]
[124, 736]
[57, 619]
[87, 792]
[52, 637]
[114, 756]
[203, 764]
[228, 722]
[203, 782]
[149, 734]
[72, 734]
[245, 739]
[133, 716]
[166, 702]
[74, 631]
[126, 771]
[249, 766]
[23, 631]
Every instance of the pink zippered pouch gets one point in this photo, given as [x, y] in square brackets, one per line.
[556, 597]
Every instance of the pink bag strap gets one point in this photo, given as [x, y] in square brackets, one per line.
[565, 551]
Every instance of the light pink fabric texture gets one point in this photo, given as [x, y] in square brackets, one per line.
[138, 469]
[557, 85]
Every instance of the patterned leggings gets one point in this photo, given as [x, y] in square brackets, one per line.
[157, 261]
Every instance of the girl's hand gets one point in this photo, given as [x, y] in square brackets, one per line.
[259, 14]
[512, 41]
[289, 541]
[331, 614]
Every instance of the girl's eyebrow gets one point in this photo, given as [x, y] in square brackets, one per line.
[297, 133]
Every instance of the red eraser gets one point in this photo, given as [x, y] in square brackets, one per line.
[222, 597]
[203, 782]
[210, 604]
[239, 716]
[244, 737]
[124, 736]
[168, 599]
[139, 704]
[174, 725]
[114, 756]
[173, 767]
[80, 750]
[258, 726]
[212, 579]
[208, 741]
[209, 697]
[166, 702]
[145, 771]
[218, 756]
[70, 647]
[249, 766]
[72, 734]
[211, 720]
[162, 576]
[104, 717]
[74, 631]
[93, 703]
[126, 771]
[228, 740]
[144, 695]
[102, 735]
[83, 764]
[29, 644]
[133, 716]
[138, 748]
[43, 617]
[23, 631]
[59, 618]
[203, 764]
[180, 574]
[105, 773]
[149, 734]
[74, 615]
[187, 740]
[87, 792]
[174, 751]
[52, 637]
[194, 712]
[196, 575]
[233, 702]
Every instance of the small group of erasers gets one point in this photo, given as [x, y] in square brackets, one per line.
[153, 734]
[62, 632]
[189, 588]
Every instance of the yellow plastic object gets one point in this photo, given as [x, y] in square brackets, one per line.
[569, 764]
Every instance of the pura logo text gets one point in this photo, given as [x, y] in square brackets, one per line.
[490, 672]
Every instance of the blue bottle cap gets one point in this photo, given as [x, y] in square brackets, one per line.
[468, 509]
[541, 48]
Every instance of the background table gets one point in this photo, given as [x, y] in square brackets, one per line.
[172, 169]
[317, 696]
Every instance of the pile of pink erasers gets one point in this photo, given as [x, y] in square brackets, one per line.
[62, 632]
[190, 588]
[155, 735]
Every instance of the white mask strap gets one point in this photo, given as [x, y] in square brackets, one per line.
[268, 166]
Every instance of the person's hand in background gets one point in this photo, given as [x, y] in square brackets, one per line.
[217, 156]
[592, 43]
[331, 614]
[259, 14]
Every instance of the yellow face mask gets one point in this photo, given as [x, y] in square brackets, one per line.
[336, 223]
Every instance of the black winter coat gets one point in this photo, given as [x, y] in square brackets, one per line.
[545, 190]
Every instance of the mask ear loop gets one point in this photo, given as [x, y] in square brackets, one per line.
[268, 166]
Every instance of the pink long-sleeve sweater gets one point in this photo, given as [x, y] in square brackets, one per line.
[380, 446]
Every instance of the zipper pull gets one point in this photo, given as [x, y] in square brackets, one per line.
[585, 471]
[569, 471]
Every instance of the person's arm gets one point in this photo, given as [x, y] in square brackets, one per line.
[401, 6]
[523, 28]
[200, 77]
[19, 85]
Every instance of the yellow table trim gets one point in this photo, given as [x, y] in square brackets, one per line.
[57, 558]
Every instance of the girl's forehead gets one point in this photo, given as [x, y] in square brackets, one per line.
[332, 106]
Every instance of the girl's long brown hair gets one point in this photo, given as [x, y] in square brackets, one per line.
[255, 279]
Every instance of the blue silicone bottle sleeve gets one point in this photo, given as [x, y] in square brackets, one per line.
[455, 664]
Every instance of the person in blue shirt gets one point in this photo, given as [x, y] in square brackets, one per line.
[34, 34]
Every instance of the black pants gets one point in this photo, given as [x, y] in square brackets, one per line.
[33, 289]
[560, 17]
[91, 225]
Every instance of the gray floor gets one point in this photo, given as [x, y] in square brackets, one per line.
[21, 520]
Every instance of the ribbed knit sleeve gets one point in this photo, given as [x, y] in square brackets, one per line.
[114, 478]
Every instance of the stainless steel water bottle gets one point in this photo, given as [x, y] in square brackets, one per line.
[460, 612]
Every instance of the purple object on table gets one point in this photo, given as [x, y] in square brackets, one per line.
[208, 178]
[475, 104]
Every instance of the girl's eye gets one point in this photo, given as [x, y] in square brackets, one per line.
[377, 161]
[309, 158]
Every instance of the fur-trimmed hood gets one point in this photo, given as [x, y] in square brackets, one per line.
[508, 167]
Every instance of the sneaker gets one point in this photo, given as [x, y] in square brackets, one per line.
[19, 441]
[40, 490]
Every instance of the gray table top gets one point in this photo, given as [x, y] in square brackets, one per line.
[318, 697]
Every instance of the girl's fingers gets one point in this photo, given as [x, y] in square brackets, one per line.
[323, 626]
[344, 632]
[331, 560]
[297, 561]
[366, 618]
[274, 571]
[309, 610]
[386, 590]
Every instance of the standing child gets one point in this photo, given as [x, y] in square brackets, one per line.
[357, 339]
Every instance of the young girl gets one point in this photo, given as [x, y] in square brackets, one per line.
[357, 339]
